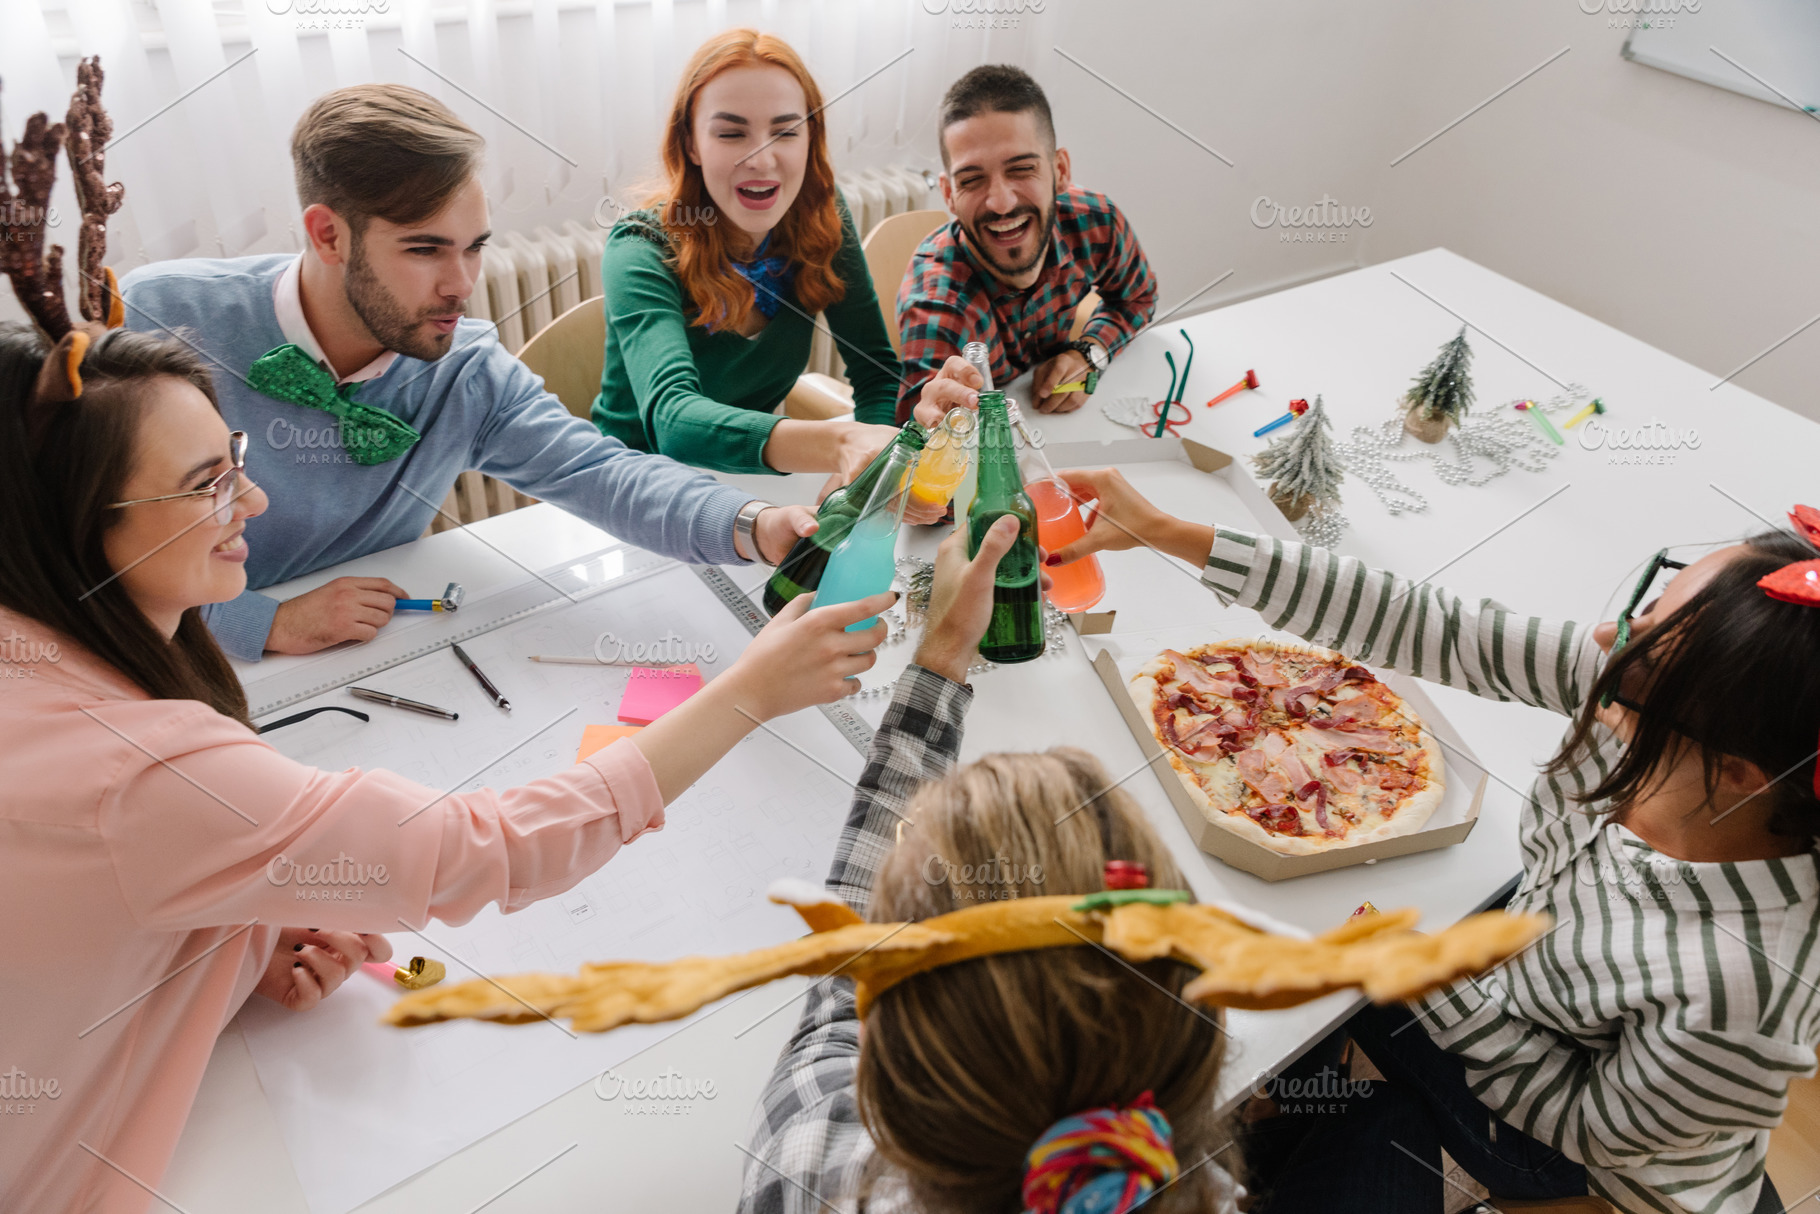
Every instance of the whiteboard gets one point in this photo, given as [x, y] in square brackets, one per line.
[1767, 49]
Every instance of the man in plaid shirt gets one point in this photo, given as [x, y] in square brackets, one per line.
[1024, 249]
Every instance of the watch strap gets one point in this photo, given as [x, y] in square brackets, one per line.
[745, 526]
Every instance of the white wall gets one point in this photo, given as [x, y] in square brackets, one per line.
[1676, 211]
[1673, 210]
[1670, 209]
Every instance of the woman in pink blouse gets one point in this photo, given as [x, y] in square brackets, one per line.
[139, 811]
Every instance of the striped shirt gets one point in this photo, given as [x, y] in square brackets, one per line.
[1651, 1035]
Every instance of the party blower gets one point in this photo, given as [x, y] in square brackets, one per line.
[1244, 385]
[1297, 407]
[418, 974]
[1541, 420]
[450, 600]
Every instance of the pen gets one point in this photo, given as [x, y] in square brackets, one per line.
[486, 684]
[386, 697]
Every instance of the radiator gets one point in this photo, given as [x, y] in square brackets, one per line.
[529, 279]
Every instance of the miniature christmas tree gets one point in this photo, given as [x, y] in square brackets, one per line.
[1303, 466]
[1442, 394]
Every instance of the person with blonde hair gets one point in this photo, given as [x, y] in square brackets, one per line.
[713, 289]
[985, 1085]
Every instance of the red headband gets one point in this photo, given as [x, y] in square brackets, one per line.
[1799, 582]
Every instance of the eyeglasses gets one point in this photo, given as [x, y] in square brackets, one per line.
[221, 488]
[1657, 563]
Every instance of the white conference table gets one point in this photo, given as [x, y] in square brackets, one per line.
[1357, 339]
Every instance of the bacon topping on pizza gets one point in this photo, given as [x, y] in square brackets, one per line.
[1310, 744]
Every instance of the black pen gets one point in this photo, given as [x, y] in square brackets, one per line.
[486, 684]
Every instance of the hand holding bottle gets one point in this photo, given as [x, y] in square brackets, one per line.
[800, 659]
[859, 445]
[805, 657]
[957, 383]
[960, 600]
[1121, 517]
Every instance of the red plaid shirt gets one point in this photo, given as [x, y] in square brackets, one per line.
[949, 299]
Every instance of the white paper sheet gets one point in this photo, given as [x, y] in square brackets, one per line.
[363, 1107]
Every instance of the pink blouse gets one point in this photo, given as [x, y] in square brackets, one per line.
[138, 839]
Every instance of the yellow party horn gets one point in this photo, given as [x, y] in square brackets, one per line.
[1597, 407]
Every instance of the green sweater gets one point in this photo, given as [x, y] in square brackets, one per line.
[707, 398]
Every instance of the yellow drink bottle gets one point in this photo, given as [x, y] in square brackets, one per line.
[945, 460]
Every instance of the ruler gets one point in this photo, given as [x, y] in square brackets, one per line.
[402, 641]
[748, 613]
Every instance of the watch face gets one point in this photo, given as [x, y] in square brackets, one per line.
[1097, 357]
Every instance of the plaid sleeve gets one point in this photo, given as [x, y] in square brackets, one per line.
[931, 322]
[1127, 288]
[808, 1149]
[918, 740]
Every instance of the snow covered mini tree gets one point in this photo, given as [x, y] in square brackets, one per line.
[1442, 393]
[1303, 466]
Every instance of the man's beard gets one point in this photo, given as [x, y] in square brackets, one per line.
[389, 321]
[1044, 223]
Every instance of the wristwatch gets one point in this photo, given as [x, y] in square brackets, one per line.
[745, 526]
[1095, 354]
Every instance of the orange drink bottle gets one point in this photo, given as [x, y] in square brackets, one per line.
[1080, 584]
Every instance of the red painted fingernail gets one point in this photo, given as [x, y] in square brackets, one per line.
[1052, 560]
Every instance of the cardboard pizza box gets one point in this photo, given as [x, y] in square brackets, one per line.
[1452, 821]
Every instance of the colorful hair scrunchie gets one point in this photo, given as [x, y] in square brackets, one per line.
[1103, 1161]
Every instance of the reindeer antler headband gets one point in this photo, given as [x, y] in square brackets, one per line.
[37, 274]
[1241, 966]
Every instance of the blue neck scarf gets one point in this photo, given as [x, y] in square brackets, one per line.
[770, 278]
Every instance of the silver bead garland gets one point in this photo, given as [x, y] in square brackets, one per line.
[1501, 437]
[918, 577]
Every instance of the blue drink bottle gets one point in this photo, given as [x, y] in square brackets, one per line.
[866, 561]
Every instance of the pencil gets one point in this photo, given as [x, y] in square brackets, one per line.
[587, 661]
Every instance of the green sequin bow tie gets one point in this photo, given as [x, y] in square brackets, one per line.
[369, 435]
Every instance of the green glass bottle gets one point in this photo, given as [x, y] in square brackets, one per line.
[801, 570]
[1016, 631]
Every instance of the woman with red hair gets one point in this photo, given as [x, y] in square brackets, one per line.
[711, 291]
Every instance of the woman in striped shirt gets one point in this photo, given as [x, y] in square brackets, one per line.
[1642, 1050]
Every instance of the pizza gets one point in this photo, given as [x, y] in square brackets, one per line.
[1291, 746]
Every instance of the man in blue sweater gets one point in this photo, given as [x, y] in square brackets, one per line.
[365, 393]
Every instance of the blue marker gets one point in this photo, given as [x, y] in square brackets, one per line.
[450, 600]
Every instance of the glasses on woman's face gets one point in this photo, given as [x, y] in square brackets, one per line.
[221, 488]
[1657, 564]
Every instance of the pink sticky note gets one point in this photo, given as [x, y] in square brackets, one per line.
[651, 692]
